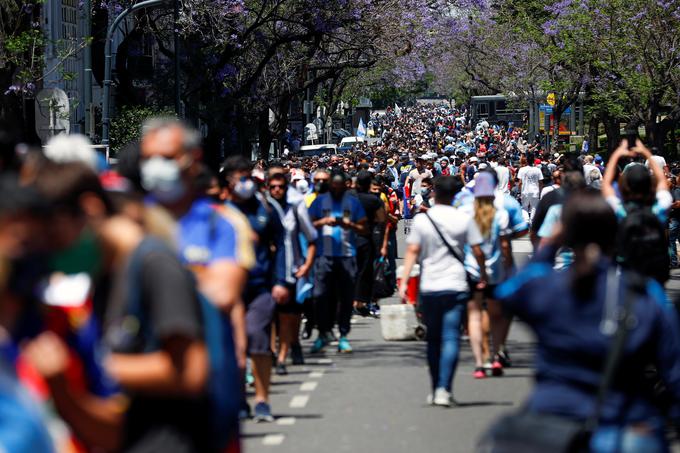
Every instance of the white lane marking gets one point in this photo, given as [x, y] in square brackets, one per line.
[286, 421]
[316, 374]
[308, 386]
[299, 401]
[273, 439]
[323, 361]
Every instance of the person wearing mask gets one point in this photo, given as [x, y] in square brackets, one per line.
[162, 364]
[366, 247]
[299, 261]
[576, 330]
[436, 241]
[266, 285]
[421, 202]
[214, 241]
[416, 176]
[338, 217]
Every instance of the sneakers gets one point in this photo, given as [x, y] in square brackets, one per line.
[344, 346]
[479, 373]
[496, 368]
[263, 413]
[318, 345]
[442, 398]
[504, 358]
[296, 354]
[488, 368]
[281, 369]
[244, 411]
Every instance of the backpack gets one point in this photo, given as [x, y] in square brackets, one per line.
[223, 387]
[642, 245]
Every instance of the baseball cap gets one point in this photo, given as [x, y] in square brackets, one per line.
[484, 185]
[390, 162]
[474, 159]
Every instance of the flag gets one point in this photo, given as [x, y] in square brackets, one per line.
[361, 130]
[397, 110]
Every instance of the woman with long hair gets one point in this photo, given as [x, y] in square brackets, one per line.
[576, 314]
[493, 224]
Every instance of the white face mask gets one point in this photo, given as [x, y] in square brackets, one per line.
[163, 179]
[245, 189]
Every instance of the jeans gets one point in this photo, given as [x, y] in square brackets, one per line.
[529, 205]
[442, 314]
[617, 439]
[673, 236]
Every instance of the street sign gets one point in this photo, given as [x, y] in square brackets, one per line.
[551, 99]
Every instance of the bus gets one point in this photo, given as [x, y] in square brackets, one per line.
[495, 110]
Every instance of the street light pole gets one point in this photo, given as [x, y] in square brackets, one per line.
[108, 57]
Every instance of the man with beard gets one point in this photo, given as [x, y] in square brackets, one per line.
[338, 217]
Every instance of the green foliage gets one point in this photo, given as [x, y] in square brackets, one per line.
[126, 126]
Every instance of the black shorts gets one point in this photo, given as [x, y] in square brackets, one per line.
[292, 307]
[488, 292]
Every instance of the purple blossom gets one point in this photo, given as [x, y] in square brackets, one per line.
[550, 27]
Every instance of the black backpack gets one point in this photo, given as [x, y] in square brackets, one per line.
[642, 245]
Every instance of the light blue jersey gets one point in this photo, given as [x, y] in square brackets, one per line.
[335, 241]
[492, 250]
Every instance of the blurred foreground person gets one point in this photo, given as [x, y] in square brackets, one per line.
[580, 331]
[151, 322]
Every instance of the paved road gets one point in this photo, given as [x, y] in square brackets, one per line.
[374, 399]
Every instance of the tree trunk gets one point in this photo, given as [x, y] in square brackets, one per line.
[612, 129]
[265, 135]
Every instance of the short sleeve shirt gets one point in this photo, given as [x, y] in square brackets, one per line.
[335, 241]
[530, 178]
[206, 236]
[440, 270]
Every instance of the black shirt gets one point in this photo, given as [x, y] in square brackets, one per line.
[170, 307]
[552, 198]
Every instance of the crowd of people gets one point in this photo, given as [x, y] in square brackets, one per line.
[138, 303]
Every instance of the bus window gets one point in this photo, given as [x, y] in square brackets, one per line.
[482, 109]
[500, 106]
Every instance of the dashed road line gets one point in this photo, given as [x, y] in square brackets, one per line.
[286, 421]
[316, 374]
[308, 386]
[273, 439]
[325, 361]
[299, 401]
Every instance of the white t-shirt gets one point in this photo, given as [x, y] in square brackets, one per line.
[503, 178]
[547, 189]
[660, 161]
[417, 178]
[587, 169]
[439, 269]
[530, 178]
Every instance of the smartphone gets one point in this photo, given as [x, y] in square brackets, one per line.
[339, 220]
[631, 137]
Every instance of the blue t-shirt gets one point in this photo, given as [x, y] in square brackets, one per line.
[23, 428]
[205, 236]
[491, 247]
[335, 241]
[572, 346]
[565, 256]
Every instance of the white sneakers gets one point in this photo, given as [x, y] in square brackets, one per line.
[441, 398]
